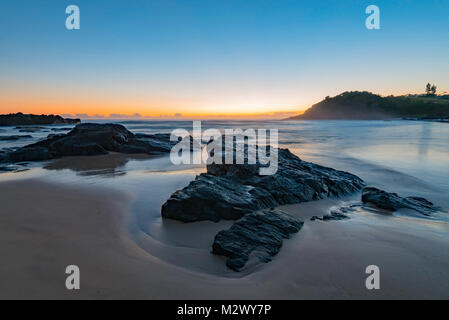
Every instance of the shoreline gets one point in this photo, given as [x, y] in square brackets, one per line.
[105, 212]
[323, 261]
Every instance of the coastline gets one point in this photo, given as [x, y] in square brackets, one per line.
[103, 214]
[89, 226]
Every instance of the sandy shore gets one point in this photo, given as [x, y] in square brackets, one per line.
[46, 226]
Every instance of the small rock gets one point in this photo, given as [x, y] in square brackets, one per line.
[392, 201]
[333, 215]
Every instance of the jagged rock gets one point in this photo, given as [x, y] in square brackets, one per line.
[14, 137]
[391, 201]
[229, 191]
[258, 233]
[91, 139]
[16, 119]
[61, 129]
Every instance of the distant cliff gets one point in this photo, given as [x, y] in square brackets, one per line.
[16, 119]
[357, 105]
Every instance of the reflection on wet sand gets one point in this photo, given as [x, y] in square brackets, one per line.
[108, 165]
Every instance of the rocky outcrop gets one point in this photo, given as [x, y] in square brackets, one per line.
[231, 191]
[91, 139]
[258, 234]
[392, 202]
[16, 119]
[239, 192]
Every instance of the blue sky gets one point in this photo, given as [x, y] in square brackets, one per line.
[212, 57]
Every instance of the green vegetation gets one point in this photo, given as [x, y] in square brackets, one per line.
[431, 89]
[367, 106]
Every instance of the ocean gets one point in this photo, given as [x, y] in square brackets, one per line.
[416, 149]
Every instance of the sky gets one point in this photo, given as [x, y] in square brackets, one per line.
[214, 59]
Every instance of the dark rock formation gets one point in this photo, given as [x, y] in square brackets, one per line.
[231, 191]
[16, 119]
[14, 137]
[377, 201]
[391, 201]
[258, 233]
[91, 139]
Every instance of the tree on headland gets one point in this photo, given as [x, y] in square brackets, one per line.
[431, 89]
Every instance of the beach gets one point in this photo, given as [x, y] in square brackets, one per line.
[102, 213]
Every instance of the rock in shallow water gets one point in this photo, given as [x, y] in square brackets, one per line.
[258, 233]
[377, 201]
[229, 191]
[14, 137]
[91, 139]
[391, 201]
[338, 214]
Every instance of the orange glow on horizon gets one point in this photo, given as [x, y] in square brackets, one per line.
[102, 108]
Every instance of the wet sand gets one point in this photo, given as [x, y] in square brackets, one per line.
[45, 226]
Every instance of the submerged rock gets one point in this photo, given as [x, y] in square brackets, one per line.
[391, 201]
[13, 168]
[336, 214]
[258, 233]
[29, 129]
[91, 139]
[229, 191]
[61, 129]
[14, 137]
